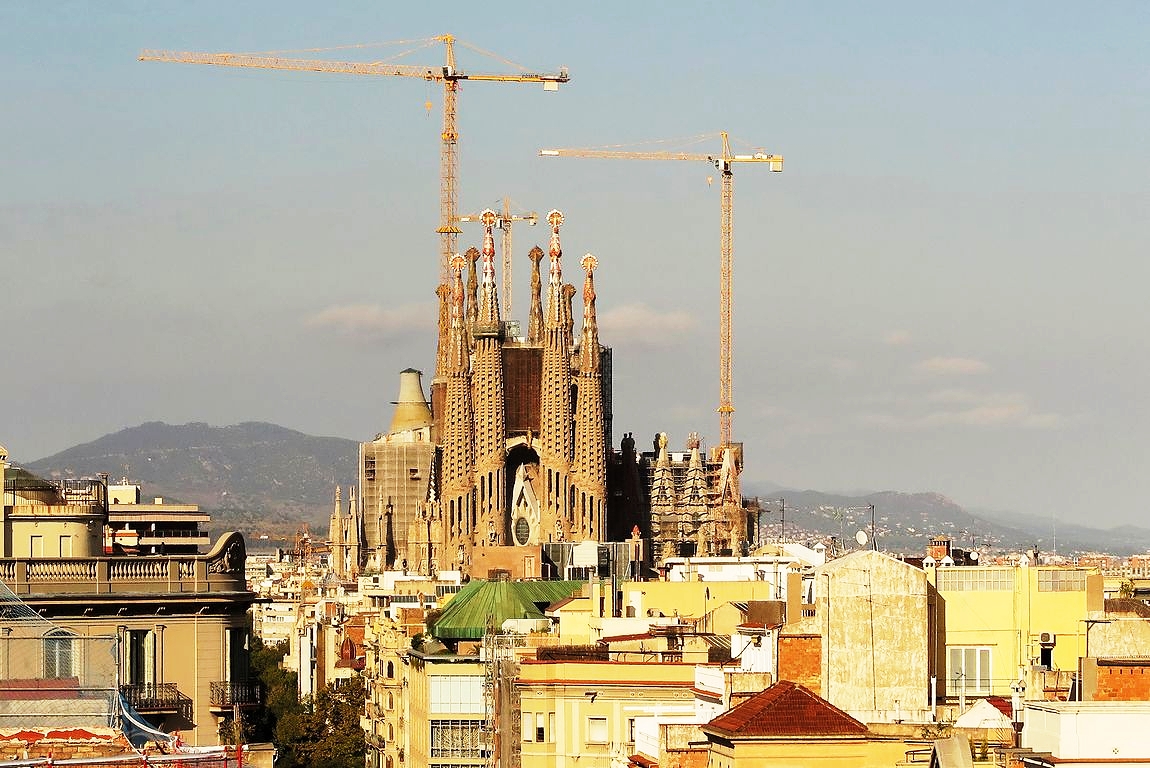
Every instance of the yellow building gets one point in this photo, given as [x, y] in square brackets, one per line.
[583, 713]
[446, 711]
[1000, 623]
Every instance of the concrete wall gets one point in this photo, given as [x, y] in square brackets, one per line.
[876, 649]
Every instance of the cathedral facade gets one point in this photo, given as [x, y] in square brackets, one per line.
[514, 445]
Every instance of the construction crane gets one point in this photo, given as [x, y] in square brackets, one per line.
[447, 73]
[503, 221]
[724, 161]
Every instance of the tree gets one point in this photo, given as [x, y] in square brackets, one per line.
[322, 731]
[332, 736]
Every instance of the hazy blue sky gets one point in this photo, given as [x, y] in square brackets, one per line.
[945, 290]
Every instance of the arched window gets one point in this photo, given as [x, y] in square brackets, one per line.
[59, 654]
[391, 669]
[390, 700]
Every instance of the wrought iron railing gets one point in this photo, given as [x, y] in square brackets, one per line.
[226, 694]
[157, 697]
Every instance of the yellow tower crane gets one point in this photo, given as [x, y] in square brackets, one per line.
[503, 220]
[724, 162]
[447, 73]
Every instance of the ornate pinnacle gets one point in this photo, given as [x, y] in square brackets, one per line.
[488, 219]
[555, 219]
[457, 265]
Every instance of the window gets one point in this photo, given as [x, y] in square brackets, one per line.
[456, 738]
[237, 655]
[36, 546]
[540, 732]
[391, 669]
[141, 661]
[551, 727]
[59, 655]
[969, 670]
[65, 546]
[596, 730]
[975, 580]
[1061, 581]
[630, 730]
[528, 734]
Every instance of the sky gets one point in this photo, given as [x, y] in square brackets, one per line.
[944, 290]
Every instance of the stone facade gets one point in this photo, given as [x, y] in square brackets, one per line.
[513, 448]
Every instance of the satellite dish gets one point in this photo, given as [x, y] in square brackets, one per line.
[973, 557]
[861, 538]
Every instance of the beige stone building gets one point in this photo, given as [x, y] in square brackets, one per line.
[176, 627]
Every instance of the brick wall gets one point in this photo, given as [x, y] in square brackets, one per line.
[1123, 682]
[800, 660]
[62, 744]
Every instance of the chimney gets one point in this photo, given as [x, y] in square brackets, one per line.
[411, 409]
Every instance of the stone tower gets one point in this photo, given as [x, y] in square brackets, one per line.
[513, 448]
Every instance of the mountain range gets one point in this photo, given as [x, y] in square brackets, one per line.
[269, 481]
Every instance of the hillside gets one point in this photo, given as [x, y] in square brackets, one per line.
[252, 476]
[904, 522]
[265, 479]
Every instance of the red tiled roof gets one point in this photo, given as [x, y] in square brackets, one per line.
[1002, 704]
[786, 709]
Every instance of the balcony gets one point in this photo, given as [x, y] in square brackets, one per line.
[227, 695]
[221, 570]
[158, 698]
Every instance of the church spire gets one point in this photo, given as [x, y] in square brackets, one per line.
[589, 348]
[535, 316]
[590, 464]
[558, 308]
[458, 358]
[487, 322]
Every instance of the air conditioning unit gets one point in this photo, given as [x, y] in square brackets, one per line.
[1046, 638]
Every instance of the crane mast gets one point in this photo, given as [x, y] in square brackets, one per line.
[447, 74]
[723, 161]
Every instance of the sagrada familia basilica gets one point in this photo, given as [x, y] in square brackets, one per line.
[514, 446]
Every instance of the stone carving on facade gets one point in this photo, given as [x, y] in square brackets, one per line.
[231, 560]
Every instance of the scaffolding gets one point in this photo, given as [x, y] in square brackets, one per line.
[502, 728]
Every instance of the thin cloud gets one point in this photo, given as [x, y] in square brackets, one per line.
[952, 366]
[639, 324]
[371, 322]
[960, 408]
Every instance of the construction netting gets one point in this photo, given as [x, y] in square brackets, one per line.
[50, 675]
[218, 757]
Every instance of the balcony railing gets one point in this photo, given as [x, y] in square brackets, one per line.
[226, 695]
[221, 570]
[157, 697]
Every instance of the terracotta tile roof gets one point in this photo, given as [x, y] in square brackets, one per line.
[786, 709]
[1002, 704]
